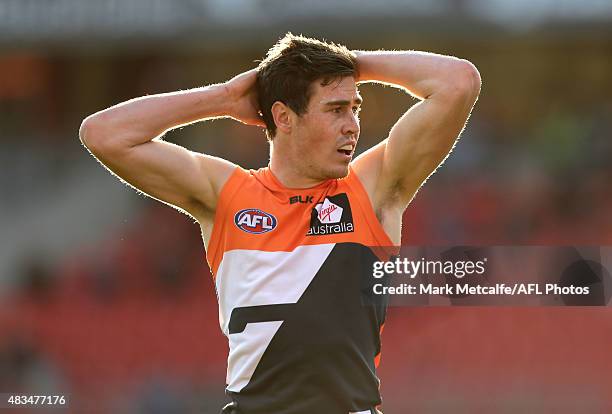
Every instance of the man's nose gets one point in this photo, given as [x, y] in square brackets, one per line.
[351, 126]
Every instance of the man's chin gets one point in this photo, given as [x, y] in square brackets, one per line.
[340, 172]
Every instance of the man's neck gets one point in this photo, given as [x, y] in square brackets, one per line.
[290, 177]
[287, 170]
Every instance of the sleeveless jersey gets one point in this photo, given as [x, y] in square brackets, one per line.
[291, 271]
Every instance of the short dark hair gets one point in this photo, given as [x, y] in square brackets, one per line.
[290, 68]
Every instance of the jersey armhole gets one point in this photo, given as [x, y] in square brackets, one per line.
[227, 193]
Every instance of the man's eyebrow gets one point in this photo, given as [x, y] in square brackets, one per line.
[343, 102]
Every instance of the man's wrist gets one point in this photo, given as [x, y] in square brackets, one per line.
[215, 100]
[231, 98]
[362, 74]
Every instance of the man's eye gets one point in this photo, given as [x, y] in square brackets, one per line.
[337, 110]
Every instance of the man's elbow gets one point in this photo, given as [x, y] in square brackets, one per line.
[467, 82]
[85, 131]
[93, 135]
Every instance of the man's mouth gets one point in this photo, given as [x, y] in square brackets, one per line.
[346, 150]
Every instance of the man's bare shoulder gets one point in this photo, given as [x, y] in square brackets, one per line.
[217, 171]
[367, 167]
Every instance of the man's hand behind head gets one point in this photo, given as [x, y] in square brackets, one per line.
[242, 94]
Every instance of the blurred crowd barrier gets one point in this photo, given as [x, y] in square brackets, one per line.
[105, 296]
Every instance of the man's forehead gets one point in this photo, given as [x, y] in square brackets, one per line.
[344, 89]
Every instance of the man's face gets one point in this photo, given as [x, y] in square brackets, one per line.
[326, 135]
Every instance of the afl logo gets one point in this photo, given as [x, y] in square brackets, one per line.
[254, 221]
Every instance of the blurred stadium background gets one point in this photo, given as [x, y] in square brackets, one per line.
[105, 295]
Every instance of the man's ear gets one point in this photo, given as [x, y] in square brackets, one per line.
[282, 114]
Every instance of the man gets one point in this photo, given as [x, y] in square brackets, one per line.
[284, 242]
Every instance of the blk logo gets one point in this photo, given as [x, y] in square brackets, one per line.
[300, 199]
[255, 221]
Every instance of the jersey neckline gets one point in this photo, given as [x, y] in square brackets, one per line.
[273, 182]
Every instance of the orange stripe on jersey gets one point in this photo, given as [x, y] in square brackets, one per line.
[256, 212]
[377, 357]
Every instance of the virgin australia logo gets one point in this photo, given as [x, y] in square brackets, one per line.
[332, 216]
[328, 212]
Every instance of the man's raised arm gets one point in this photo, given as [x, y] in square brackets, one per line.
[126, 139]
[421, 139]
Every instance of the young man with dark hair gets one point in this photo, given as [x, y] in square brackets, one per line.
[283, 241]
[290, 68]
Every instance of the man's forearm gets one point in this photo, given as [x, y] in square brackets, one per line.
[141, 119]
[422, 74]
